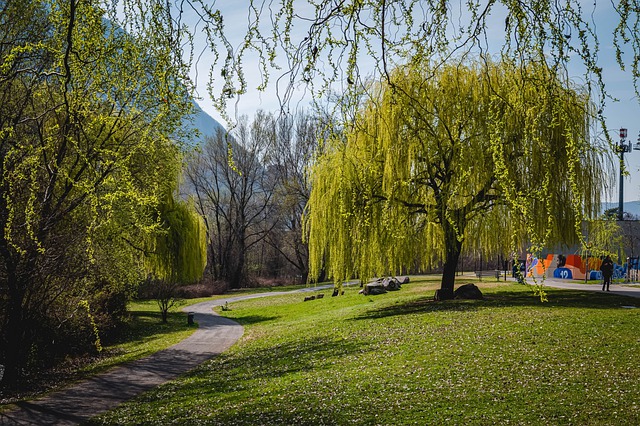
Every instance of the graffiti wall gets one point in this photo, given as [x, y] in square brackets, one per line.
[573, 267]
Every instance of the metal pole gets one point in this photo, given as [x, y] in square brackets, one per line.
[621, 187]
[621, 148]
[505, 264]
[586, 268]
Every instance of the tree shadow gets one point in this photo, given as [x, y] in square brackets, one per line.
[305, 354]
[228, 374]
[254, 319]
[420, 306]
[146, 326]
[557, 298]
[76, 404]
[562, 298]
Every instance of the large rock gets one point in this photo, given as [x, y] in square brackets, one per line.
[391, 284]
[403, 280]
[382, 285]
[374, 288]
[468, 291]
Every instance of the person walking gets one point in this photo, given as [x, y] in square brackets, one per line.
[607, 272]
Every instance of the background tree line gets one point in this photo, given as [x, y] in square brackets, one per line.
[251, 188]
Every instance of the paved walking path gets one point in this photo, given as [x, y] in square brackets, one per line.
[620, 289]
[103, 392]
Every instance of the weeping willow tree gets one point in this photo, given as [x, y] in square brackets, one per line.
[175, 248]
[177, 251]
[477, 154]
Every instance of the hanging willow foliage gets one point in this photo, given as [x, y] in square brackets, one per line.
[489, 155]
[329, 45]
[178, 249]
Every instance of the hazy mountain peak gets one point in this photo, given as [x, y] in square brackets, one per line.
[202, 125]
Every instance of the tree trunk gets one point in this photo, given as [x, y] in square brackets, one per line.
[237, 272]
[14, 335]
[453, 248]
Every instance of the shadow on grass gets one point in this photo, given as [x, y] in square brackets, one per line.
[557, 298]
[307, 353]
[145, 326]
[561, 298]
[421, 306]
[145, 315]
[254, 319]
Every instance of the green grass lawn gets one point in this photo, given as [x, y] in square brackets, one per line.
[400, 358]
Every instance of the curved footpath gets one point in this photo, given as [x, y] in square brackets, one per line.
[214, 335]
[103, 392]
[619, 289]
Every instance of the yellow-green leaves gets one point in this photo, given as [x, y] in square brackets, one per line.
[178, 252]
[89, 146]
[490, 155]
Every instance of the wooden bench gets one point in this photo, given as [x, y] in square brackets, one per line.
[494, 273]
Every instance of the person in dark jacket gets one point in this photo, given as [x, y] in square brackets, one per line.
[607, 272]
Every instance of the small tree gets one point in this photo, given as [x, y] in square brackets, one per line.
[164, 291]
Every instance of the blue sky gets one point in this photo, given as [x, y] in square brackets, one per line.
[623, 113]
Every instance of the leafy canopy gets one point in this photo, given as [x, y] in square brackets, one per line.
[489, 155]
[90, 116]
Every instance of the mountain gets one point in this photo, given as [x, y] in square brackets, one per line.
[203, 124]
[200, 122]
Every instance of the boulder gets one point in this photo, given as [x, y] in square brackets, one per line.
[374, 288]
[382, 285]
[403, 280]
[391, 284]
[468, 291]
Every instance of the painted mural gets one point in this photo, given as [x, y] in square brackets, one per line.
[573, 267]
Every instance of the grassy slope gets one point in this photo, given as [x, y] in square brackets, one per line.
[401, 359]
[146, 334]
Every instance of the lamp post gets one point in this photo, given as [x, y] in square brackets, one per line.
[622, 148]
